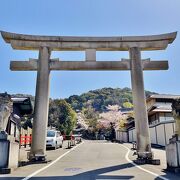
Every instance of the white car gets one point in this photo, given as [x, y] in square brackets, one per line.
[54, 139]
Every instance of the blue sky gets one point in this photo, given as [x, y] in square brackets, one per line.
[91, 18]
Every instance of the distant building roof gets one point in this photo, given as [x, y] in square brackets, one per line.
[162, 96]
[18, 99]
[155, 109]
[22, 106]
[126, 110]
[162, 110]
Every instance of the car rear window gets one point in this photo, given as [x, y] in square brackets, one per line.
[50, 133]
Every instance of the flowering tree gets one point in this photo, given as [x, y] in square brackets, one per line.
[113, 115]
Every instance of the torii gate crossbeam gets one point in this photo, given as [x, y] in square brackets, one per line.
[44, 64]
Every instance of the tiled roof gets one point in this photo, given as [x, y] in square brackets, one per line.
[163, 96]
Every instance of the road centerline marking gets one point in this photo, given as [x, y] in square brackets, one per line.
[139, 167]
[56, 160]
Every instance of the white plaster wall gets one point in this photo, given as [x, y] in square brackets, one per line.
[130, 135]
[117, 137]
[169, 131]
[160, 134]
[153, 135]
[122, 136]
[134, 134]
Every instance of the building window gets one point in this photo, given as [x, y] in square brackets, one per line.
[153, 119]
[162, 117]
[168, 116]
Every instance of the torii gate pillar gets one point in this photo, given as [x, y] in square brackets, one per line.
[41, 105]
[139, 101]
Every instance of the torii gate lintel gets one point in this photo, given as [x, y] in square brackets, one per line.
[55, 64]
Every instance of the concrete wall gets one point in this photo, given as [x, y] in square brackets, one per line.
[4, 151]
[9, 154]
[172, 154]
[160, 133]
[13, 155]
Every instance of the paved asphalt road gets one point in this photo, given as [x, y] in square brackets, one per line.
[90, 160]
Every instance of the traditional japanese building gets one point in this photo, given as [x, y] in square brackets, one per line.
[159, 108]
[21, 107]
[160, 118]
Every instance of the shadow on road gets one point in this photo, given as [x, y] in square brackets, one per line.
[96, 174]
[169, 175]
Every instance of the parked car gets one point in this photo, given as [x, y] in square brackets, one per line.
[54, 139]
[77, 137]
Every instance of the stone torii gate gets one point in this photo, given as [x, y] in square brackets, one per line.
[44, 64]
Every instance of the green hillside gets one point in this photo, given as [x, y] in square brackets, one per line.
[101, 98]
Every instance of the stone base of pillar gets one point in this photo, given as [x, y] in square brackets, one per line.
[147, 161]
[144, 155]
[39, 157]
[146, 158]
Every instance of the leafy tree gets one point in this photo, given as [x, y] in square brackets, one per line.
[62, 116]
[26, 122]
[127, 105]
[90, 116]
[89, 113]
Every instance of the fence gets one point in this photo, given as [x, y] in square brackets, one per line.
[25, 140]
[121, 136]
[26, 137]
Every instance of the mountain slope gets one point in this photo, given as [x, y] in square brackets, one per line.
[101, 98]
